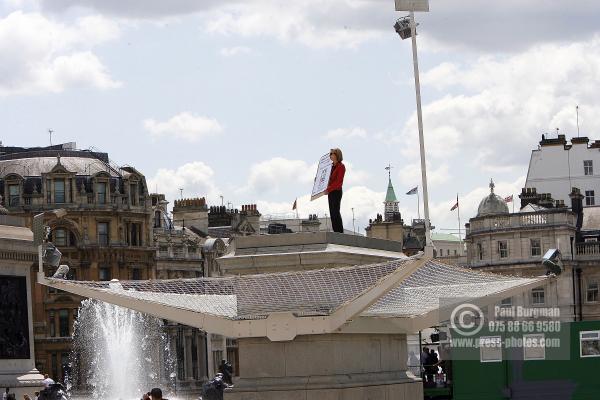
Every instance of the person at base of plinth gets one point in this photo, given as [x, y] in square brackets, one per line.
[334, 189]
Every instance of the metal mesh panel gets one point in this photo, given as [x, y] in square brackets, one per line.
[422, 291]
[315, 292]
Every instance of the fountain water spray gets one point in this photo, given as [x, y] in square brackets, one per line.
[119, 353]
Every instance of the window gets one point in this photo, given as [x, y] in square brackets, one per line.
[135, 234]
[490, 349]
[589, 344]
[448, 252]
[503, 248]
[536, 247]
[479, 251]
[157, 219]
[103, 233]
[455, 253]
[101, 192]
[592, 292]
[534, 347]
[14, 195]
[507, 302]
[133, 194]
[59, 190]
[589, 198]
[104, 273]
[588, 167]
[52, 324]
[60, 237]
[63, 323]
[54, 364]
[538, 296]
[136, 274]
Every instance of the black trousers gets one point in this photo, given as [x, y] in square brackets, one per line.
[335, 199]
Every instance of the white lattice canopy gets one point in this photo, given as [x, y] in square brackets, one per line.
[397, 296]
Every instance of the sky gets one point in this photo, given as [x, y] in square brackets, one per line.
[240, 99]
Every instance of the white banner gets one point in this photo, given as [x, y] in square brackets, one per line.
[322, 177]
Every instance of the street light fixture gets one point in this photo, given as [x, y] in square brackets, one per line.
[406, 27]
[50, 255]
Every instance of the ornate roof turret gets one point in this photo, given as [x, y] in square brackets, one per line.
[390, 196]
[391, 211]
[492, 204]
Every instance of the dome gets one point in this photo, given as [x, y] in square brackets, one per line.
[492, 204]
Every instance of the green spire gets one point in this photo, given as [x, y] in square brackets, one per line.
[390, 196]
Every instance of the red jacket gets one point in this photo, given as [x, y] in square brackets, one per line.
[336, 179]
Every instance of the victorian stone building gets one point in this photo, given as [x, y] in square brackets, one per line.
[105, 234]
[499, 241]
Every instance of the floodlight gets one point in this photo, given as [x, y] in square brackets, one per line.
[52, 255]
[552, 262]
[402, 27]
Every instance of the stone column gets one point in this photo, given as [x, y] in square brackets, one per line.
[332, 366]
[189, 374]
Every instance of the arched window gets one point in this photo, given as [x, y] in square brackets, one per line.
[63, 237]
[60, 237]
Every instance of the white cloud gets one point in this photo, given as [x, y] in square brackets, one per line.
[41, 55]
[195, 178]
[410, 175]
[312, 23]
[280, 175]
[348, 23]
[275, 175]
[185, 125]
[346, 133]
[234, 51]
[499, 104]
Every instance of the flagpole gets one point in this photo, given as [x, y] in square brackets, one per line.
[459, 231]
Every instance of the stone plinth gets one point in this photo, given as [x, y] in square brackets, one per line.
[333, 366]
[17, 255]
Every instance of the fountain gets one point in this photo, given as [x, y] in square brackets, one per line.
[118, 353]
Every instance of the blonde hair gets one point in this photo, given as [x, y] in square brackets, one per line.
[338, 154]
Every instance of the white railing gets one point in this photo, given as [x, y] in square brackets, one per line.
[496, 222]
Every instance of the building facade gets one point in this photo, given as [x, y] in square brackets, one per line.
[515, 243]
[556, 166]
[105, 234]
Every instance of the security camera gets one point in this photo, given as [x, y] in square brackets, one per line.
[553, 262]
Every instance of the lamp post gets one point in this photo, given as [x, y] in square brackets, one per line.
[40, 234]
[406, 27]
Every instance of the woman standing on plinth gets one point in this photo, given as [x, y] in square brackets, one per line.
[334, 189]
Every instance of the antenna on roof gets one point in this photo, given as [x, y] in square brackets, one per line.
[50, 131]
[577, 112]
[181, 192]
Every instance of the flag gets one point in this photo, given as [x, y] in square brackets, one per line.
[508, 199]
[454, 207]
[295, 204]
[413, 190]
